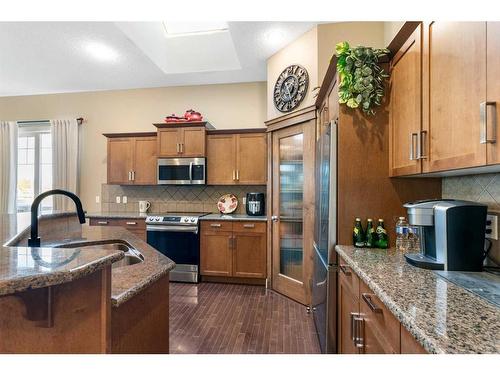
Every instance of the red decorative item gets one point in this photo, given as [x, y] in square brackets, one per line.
[192, 115]
[172, 118]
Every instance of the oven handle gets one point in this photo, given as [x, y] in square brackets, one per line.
[171, 228]
[191, 172]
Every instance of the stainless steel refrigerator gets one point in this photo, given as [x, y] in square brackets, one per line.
[324, 288]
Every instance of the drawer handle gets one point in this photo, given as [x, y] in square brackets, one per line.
[215, 225]
[131, 223]
[345, 270]
[102, 223]
[368, 299]
[248, 225]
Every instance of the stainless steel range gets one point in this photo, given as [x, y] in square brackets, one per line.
[176, 235]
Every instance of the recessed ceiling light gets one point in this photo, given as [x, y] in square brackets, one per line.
[179, 28]
[101, 51]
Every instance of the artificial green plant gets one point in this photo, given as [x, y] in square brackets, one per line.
[361, 77]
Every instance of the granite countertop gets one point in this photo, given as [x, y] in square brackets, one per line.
[443, 317]
[233, 217]
[126, 281]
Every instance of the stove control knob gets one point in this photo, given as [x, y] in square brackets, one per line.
[193, 219]
[186, 219]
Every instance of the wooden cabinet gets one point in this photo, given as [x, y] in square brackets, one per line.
[443, 112]
[492, 91]
[136, 226]
[380, 330]
[409, 345]
[132, 159]
[233, 249]
[237, 158]
[406, 108]
[454, 87]
[365, 324]
[181, 141]
[348, 297]
[249, 250]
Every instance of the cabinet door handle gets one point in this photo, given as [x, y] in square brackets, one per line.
[421, 144]
[215, 225]
[368, 299]
[237, 175]
[234, 175]
[177, 147]
[102, 223]
[131, 223]
[130, 175]
[345, 270]
[413, 136]
[353, 327]
[359, 330]
[133, 175]
[483, 120]
[248, 225]
[181, 147]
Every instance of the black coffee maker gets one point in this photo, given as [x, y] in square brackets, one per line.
[256, 204]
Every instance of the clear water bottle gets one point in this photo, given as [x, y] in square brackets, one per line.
[403, 243]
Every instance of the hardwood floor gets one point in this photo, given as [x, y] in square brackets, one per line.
[227, 318]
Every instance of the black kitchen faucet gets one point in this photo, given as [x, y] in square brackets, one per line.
[34, 240]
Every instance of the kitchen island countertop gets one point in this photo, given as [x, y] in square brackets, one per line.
[22, 267]
[233, 217]
[443, 317]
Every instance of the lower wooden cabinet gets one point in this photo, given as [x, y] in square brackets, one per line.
[137, 227]
[348, 311]
[233, 249]
[365, 324]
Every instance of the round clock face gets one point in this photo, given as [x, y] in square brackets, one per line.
[290, 88]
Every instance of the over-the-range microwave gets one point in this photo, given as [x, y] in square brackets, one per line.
[181, 171]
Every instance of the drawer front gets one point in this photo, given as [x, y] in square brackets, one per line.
[249, 226]
[126, 223]
[380, 323]
[217, 226]
[351, 280]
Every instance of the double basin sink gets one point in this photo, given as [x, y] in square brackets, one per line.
[132, 256]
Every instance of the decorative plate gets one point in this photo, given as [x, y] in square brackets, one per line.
[227, 203]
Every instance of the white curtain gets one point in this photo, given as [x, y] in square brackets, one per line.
[65, 160]
[8, 166]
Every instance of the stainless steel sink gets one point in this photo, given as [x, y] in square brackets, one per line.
[132, 256]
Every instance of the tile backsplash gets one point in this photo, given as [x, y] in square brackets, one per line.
[172, 198]
[484, 188]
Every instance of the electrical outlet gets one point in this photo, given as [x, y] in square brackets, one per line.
[492, 227]
[124, 199]
[244, 200]
[97, 199]
[118, 199]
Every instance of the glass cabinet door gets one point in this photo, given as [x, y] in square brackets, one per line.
[293, 191]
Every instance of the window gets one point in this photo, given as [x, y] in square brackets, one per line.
[34, 164]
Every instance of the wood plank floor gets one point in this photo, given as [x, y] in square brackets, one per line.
[227, 318]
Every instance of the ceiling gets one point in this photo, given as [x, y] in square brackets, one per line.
[58, 57]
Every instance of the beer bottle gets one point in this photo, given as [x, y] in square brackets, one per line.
[370, 234]
[358, 235]
[382, 241]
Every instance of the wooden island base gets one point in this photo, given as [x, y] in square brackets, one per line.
[77, 317]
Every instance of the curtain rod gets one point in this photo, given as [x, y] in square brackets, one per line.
[79, 120]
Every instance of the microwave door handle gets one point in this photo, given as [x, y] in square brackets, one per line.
[191, 172]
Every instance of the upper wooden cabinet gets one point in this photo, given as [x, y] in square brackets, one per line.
[181, 141]
[444, 100]
[237, 158]
[454, 86]
[406, 107]
[132, 159]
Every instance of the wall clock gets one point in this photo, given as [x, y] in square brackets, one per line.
[290, 88]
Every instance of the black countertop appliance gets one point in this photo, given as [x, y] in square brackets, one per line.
[256, 203]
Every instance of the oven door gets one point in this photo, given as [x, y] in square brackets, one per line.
[180, 244]
[181, 171]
